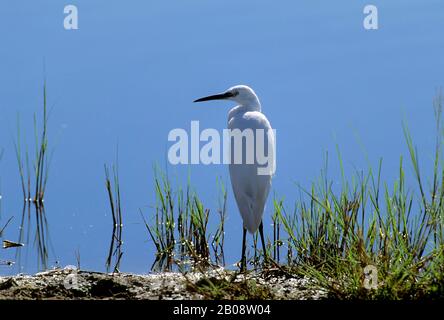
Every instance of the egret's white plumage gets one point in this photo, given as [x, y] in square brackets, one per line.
[250, 189]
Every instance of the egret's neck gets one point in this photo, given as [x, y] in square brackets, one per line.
[252, 104]
[242, 108]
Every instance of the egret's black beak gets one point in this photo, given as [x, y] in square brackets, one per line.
[220, 96]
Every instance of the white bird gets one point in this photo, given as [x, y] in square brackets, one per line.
[250, 188]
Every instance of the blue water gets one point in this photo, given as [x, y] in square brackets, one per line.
[129, 75]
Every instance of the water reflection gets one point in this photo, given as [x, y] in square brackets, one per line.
[33, 178]
[34, 233]
[6, 243]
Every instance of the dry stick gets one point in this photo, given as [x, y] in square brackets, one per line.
[4, 227]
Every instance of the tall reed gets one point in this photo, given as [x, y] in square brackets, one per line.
[115, 249]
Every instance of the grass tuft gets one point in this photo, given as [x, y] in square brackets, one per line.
[115, 249]
[179, 227]
[33, 179]
[340, 236]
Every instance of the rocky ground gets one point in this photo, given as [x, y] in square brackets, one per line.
[70, 283]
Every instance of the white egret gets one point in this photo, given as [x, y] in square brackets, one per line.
[250, 188]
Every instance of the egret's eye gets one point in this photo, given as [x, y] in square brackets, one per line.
[235, 93]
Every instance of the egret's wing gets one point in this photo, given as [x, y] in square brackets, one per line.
[250, 189]
[251, 192]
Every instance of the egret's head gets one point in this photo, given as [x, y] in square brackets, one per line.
[241, 94]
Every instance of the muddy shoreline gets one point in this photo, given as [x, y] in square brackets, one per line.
[70, 283]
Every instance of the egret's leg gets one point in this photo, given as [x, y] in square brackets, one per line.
[243, 259]
[261, 232]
